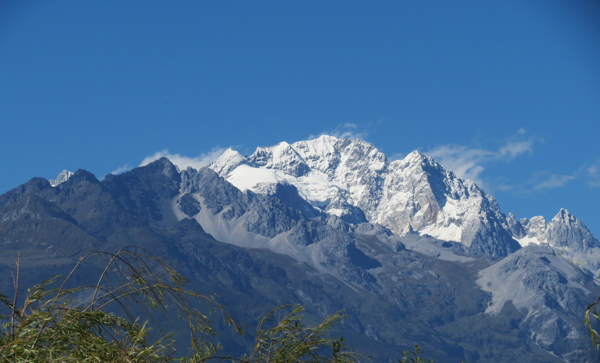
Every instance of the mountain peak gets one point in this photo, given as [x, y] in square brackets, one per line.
[325, 139]
[321, 146]
[417, 157]
[229, 160]
[61, 178]
[566, 231]
[564, 215]
[416, 154]
[281, 157]
[282, 145]
[164, 166]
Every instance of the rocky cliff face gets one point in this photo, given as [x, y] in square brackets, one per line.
[549, 288]
[566, 231]
[565, 234]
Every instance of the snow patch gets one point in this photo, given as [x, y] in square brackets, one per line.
[245, 177]
[526, 241]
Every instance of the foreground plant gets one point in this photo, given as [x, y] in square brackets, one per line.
[79, 324]
[414, 357]
[291, 341]
[592, 311]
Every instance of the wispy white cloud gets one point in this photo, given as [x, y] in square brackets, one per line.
[345, 131]
[516, 145]
[590, 174]
[396, 156]
[350, 130]
[121, 169]
[183, 162]
[554, 181]
[593, 175]
[468, 163]
[515, 148]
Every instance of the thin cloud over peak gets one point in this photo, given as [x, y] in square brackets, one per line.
[350, 130]
[396, 156]
[468, 163]
[343, 131]
[121, 169]
[183, 162]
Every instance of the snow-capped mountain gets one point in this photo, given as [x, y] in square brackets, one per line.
[309, 248]
[354, 181]
[566, 234]
[563, 232]
[61, 178]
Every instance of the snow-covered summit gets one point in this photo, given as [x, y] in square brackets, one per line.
[563, 232]
[280, 157]
[229, 160]
[61, 178]
[321, 146]
[353, 180]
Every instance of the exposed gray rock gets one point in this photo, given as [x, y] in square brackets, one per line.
[515, 227]
[566, 231]
[553, 292]
[372, 229]
[189, 205]
[567, 235]
[288, 194]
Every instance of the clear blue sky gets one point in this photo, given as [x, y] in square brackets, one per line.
[507, 92]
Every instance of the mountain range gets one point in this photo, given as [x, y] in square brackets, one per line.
[411, 253]
[352, 180]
